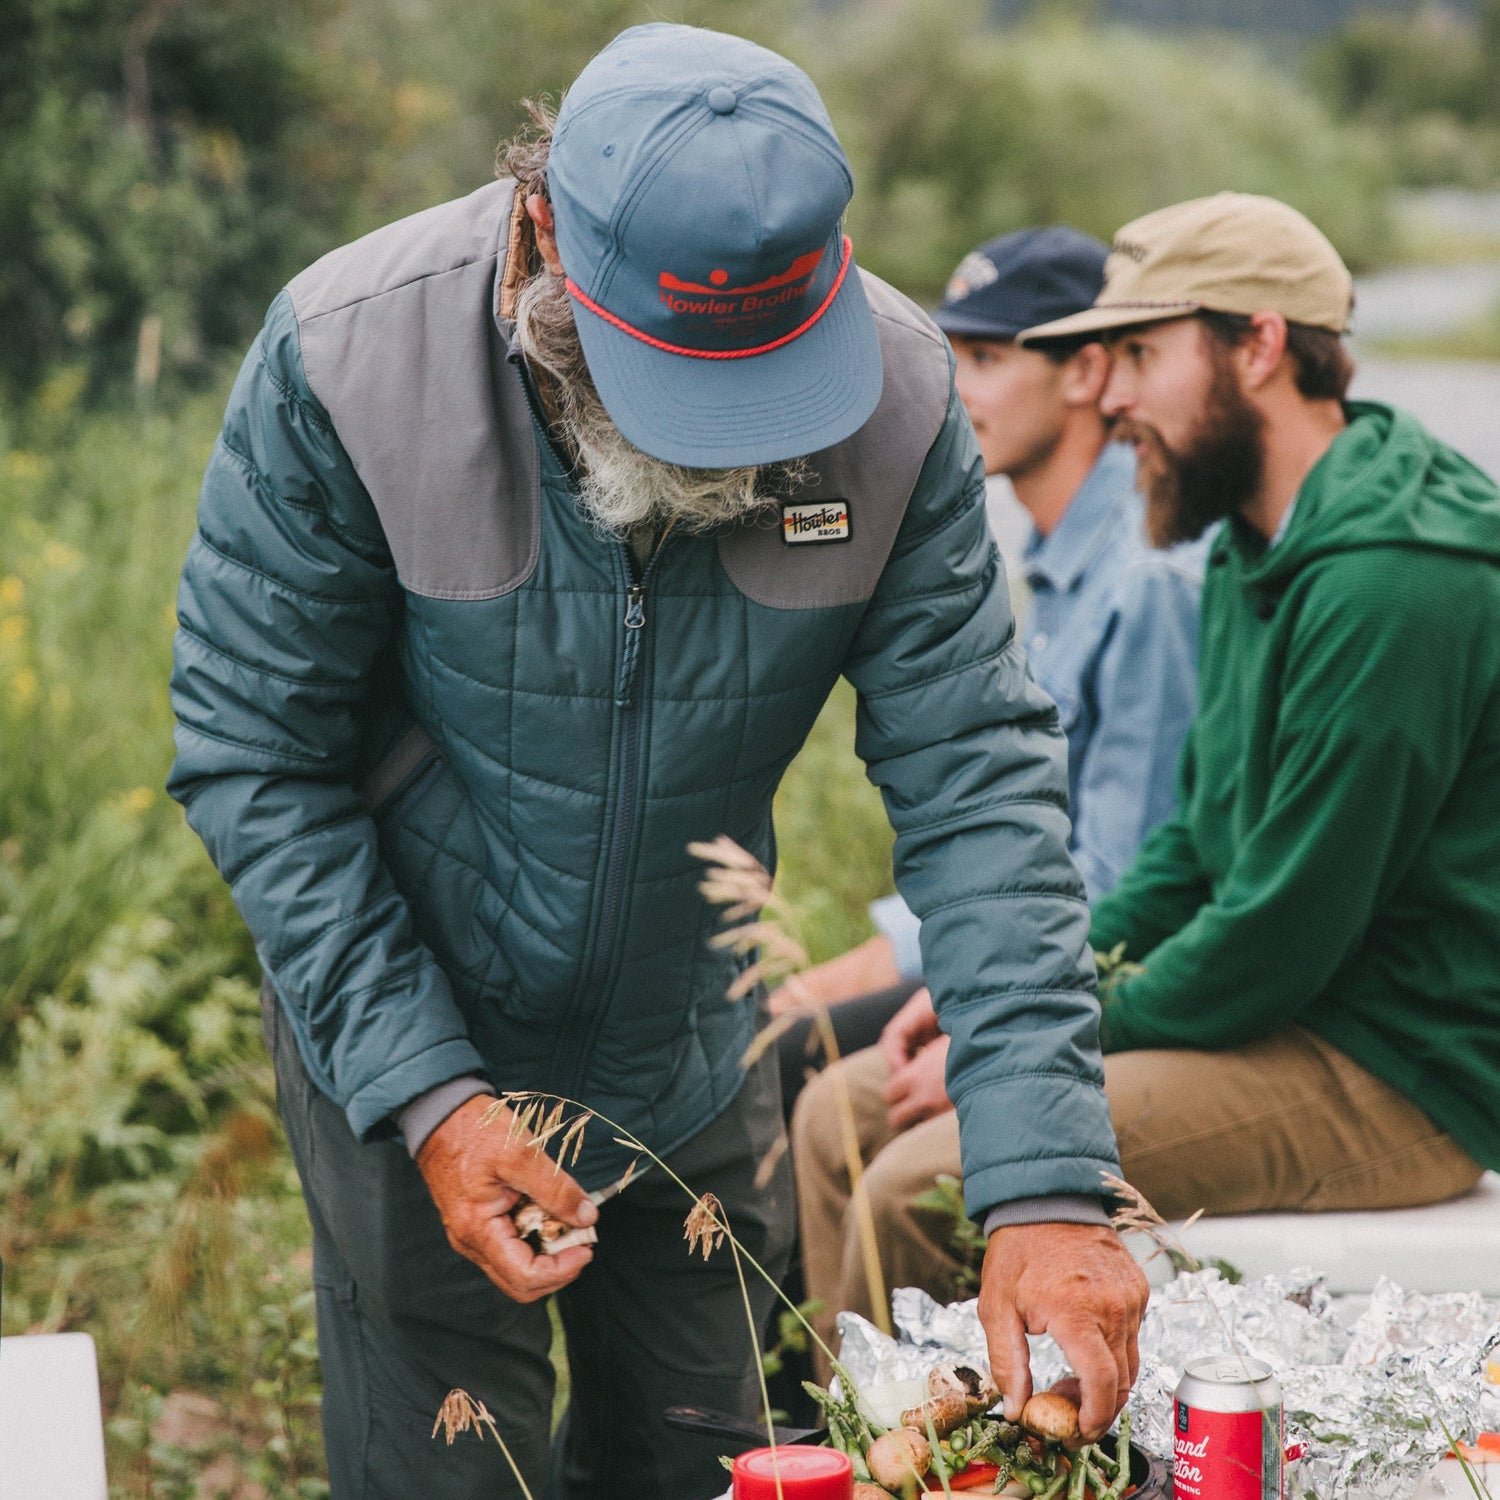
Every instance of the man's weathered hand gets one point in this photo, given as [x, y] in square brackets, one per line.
[918, 1089]
[909, 1030]
[476, 1174]
[1079, 1283]
[861, 971]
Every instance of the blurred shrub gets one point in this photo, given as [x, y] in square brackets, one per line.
[959, 132]
[1394, 65]
[107, 902]
[170, 163]
[832, 837]
[167, 164]
[1429, 79]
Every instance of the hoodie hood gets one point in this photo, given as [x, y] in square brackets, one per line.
[1384, 482]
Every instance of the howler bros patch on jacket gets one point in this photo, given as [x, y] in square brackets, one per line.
[818, 521]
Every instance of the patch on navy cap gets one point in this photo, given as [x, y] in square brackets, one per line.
[974, 271]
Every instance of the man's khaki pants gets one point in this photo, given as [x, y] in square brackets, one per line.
[1286, 1123]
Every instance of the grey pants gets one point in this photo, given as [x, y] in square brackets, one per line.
[403, 1319]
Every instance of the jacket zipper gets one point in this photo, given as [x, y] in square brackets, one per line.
[628, 762]
[628, 754]
[534, 402]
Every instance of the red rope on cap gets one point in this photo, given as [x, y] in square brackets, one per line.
[599, 312]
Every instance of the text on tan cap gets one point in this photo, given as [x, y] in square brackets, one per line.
[1234, 253]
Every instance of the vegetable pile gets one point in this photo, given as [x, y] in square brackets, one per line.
[951, 1443]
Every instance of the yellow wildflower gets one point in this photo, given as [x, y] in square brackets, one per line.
[12, 591]
[23, 688]
[61, 558]
[137, 799]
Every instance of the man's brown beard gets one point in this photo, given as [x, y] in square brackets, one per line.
[620, 488]
[1215, 473]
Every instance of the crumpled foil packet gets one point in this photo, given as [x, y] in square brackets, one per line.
[1365, 1405]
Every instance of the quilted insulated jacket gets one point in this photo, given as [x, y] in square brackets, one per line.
[448, 745]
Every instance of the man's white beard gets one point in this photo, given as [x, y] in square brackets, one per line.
[620, 488]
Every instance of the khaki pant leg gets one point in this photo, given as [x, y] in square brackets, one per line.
[820, 1166]
[1284, 1123]
[914, 1243]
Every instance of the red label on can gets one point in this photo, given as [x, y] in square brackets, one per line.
[1226, 1455]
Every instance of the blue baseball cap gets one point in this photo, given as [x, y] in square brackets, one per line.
[698, 193]
[1022, 279]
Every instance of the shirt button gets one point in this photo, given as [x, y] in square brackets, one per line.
[1039, 642]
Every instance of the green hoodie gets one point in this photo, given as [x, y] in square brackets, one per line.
[1334, 856]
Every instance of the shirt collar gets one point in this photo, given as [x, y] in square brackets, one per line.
[1283, 524]
[1058, 560]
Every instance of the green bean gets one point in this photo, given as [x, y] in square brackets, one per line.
[1121, 1480]
[1097, 1479]
[1079, 1473]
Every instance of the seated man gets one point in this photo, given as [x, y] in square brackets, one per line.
[1113, 630]
[1316, 1023]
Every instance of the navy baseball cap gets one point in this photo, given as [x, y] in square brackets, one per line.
[698, 192]
[1022, 279]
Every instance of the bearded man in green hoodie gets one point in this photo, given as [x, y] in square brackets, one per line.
[1316, 1020]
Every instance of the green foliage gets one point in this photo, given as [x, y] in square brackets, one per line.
[979, 131]
[168, 164]
[145, 1200]
[966, 1240]
[1395, 64]
[833, 840]
[1429, 79]
[792, 1339]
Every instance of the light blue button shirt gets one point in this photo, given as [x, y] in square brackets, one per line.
[1113, 639]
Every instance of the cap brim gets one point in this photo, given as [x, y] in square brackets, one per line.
[1100, 319]
[808, 394]
[972, 327]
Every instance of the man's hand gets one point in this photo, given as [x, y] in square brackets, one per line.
[1079, 1283]
[476, 1174]
[861, 971]
[917, 1090]
[909, 1030]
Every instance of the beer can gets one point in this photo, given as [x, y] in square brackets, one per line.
[1227, 1436]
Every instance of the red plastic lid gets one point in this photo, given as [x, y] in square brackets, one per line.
[805, 1473]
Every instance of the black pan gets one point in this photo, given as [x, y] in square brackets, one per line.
[1150, 1475]
[706, 1421]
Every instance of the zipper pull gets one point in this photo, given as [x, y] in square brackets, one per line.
[635, 608]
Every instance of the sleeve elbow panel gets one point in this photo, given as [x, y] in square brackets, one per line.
[288, 601]
[973, 767]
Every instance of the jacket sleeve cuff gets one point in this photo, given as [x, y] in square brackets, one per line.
[371, 1111]
[1056, 1208]
[897, 923]
[426, 1112]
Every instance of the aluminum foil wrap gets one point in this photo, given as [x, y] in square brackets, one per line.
[1365, 1404]
[927, 1333]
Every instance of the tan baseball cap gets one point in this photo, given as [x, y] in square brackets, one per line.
[1234, 252]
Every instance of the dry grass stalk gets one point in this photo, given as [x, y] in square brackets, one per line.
[766, 1168]
[736, 880]
[1135, 1215]
[461, 1413]
[536, 1120]
[704, 1228]
[859, 1197]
